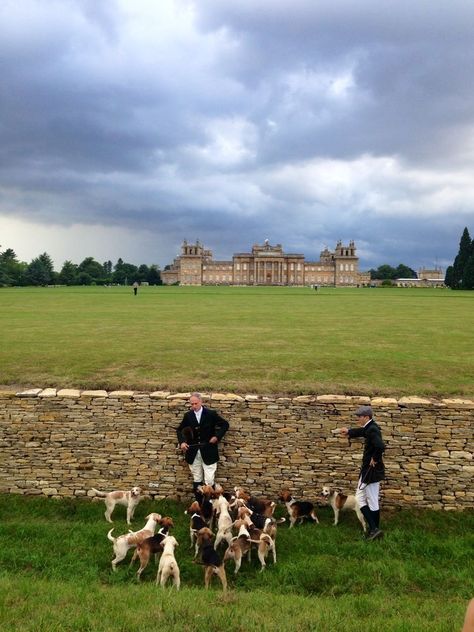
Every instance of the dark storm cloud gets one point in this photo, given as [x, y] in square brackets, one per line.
[236, 121]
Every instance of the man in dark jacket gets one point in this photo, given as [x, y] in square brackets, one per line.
[372, 470]
[198, 436]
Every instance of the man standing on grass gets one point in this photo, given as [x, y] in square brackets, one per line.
[372, 470]
[198, 436]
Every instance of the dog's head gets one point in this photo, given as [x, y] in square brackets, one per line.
[167, 522]
[285, 496]
[204, 535]
[327, 491]
[170, 541]
[153, 516]
[193, 508]
[136, 492]
[207, 491]
[241, 493]
[242, 512]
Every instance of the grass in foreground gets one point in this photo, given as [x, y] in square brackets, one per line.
[275, 340]
[56, 575]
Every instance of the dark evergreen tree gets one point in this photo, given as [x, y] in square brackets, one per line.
[468, 274]
[40, 271]
[465, 248]
[449, 276]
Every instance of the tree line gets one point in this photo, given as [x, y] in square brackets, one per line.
[386, 272]
[460, 276]
[40, 272]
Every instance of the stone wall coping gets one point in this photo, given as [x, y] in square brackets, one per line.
[69, 392]
[121, 393]
[411, 401]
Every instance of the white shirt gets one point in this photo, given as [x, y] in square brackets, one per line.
[198, 414]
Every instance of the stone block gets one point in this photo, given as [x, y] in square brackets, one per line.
[97, 393]
[69, 392]
[31, 392]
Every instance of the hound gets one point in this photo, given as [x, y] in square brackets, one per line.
[168, 566]
[260, 505]
[129, 499]
[127, 541]
[210, 559]
[341, 502]
[151, 545]
[298, 510]
[224, 522]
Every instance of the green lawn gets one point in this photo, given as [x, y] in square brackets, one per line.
[275, 340]
[55, 574]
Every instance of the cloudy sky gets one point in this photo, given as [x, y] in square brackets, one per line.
[126, 126]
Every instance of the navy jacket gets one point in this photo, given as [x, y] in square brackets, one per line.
[198, 435]
[374, 448]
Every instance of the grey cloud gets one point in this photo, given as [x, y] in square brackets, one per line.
[243, 123]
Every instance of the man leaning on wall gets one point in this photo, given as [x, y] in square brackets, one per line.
[198, 435]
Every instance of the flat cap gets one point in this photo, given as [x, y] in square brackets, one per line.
[364, 411]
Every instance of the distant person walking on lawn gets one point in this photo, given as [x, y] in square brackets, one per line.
[198, 436]
[372, 470]
[135, 288]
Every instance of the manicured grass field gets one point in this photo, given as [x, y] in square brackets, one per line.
[55, 575]
[278, 340]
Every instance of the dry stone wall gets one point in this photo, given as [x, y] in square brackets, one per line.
[63, 442]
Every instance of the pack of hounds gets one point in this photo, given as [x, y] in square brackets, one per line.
[241, 521]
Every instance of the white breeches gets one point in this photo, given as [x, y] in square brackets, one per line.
[368, 495]
[202, 472]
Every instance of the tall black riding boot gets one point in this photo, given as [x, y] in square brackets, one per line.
[369, 518]
[376, 515]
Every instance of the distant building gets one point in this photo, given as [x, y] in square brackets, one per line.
[266, 265]
[426, 278]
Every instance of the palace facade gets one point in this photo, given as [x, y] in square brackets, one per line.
[265, 265]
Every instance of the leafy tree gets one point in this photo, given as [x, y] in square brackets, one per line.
[386, 271]
[404, 272]
[143, 272]
[68, 274]
[84, 279]
[383, 272]
[94, 269]
[154, 276]
[12, 271]
[124, 273]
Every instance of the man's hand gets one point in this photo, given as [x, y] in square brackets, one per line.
[372, 462]
[184, 446]
[344, 431]
[213, 440]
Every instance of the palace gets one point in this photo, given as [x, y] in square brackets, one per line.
[265, 265]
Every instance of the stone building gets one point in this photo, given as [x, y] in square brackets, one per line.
[426, 278]
[265, 265]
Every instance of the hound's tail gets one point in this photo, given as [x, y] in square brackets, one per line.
[96, 491]
[110, 537]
